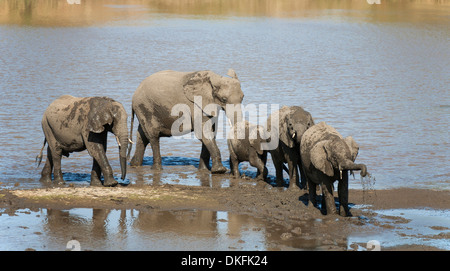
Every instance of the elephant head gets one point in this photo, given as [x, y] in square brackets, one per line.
[337, 154]
[257, 135]
[215, 89]
[108, 114]
[294, 121]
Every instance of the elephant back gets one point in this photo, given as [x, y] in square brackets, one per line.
[314, 135]
[160, 85]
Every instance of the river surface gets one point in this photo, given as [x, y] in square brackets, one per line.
[129, 229]
[377, 72]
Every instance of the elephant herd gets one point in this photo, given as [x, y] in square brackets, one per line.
[315, 153]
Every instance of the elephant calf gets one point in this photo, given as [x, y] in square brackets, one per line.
[244, 144]
[73, 124]
[327, 157]
[293, 122]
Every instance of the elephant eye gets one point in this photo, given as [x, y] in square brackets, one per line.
[223, 100]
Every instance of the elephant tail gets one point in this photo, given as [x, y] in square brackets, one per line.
[285, 168]
[131, 134]
[39, 157]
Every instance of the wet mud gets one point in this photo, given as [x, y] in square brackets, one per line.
[285, 221]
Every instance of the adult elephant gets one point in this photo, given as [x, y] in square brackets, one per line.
[72, 124]
[293, 122]
[327, 157]
[157, 96]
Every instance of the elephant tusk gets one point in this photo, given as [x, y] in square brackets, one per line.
[130, 141]
[293, 135]
[229, 122]
[118, 142]
[340, 174]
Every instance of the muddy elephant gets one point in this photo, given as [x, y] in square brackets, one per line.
[72, 124]
[244, 143]
[327, 157]
[293, 122]
[199, 96]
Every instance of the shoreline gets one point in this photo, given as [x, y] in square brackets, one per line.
[169, 196]
[275, 205]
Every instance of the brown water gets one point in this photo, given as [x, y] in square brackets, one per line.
[101, 229]
[105, 229]
[376, 72]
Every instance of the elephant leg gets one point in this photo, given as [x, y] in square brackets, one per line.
[53, 162]
[327, 191]
[256, 161]
[234, 165]
[264, 161]
[312, 193]
[96, 146]
[278, 164]
[96, 174]
[204, 158]
[157, 161]
[293, 171]
[343, 195]
[141, 144]
[57, 173]
[217, 166]
[302, 175]
[46, 174]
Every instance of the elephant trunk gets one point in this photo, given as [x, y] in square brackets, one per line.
[122, 140]
[349, 165]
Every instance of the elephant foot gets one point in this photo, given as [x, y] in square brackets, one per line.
[344, 213]
[135, 162]
[203, 166]
[59, 182]
[109, 182]
[45, 179]
[218, 169]
[95, 181]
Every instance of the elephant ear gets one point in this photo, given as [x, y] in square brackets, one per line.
[199, 84]
[255, 138]
[353, 146]
[319, 158]
[99, 114]
[231, 73]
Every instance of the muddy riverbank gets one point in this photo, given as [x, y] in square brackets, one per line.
[278, 206]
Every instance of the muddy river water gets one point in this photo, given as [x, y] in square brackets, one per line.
[378, 72]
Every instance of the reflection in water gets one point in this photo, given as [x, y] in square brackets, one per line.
[102, 229]
[67, 13]
[425, 227]
[147, 229]
[376, 72]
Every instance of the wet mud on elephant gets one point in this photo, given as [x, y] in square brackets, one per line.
[293, 122]
[158, 94]
[328, 157]
[72, 124]
[244, 143]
